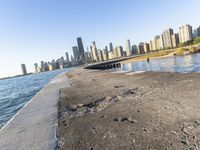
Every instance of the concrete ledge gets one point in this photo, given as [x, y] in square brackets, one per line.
[34, 126]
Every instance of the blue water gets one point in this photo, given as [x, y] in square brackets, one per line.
[181, 64]
[16, 92]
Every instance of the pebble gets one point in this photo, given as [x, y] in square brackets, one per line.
[184, 142]
[115, 119]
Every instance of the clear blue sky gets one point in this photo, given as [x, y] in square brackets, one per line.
[35, 30]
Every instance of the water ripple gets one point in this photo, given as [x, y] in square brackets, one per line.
[16, 92]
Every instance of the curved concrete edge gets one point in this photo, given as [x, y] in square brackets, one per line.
[34, 126]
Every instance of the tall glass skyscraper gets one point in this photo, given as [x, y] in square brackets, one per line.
[80, 49]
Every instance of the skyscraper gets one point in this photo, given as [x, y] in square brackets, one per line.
[157, 43]
[119, 51]
[100, 55]
[151, 45]
[134, 49]
[76, 53]
[94, 52]
[141, 48]
[175, 40]
[67, 56]
[146, 47]
[185, 33]
[128, 48]
[167, 34]
[36, 68]
[111, 47]
[24, 71]
[80, 49]
[197, 32]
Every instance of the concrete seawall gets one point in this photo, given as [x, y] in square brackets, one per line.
[34, 126]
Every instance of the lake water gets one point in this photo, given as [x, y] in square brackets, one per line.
[181, 64]
[16, 92]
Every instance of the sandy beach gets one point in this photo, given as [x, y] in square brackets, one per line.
[109, 111]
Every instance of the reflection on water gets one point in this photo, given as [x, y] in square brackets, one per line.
[188, 63]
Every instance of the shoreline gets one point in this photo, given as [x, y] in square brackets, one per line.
[32, 120]
[149, 110]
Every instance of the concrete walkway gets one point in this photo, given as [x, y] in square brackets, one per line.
[34, 126]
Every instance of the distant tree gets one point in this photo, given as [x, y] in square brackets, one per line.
[186, 43]
[197, 40]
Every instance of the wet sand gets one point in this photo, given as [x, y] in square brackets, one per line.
[109, 111]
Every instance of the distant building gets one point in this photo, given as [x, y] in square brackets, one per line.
[110, 55]
[88, 57]
[151, 45]
[100, 55]
[119, 51]
[141, 48]
[76, 53]
[128, 48]
[52, 66]
[157, 42]
[146, 47]
[134, 50]
[185, 33]
[115, 55]
[197, 32]
[67, 57]
[80, 50]
[175, 40]
[105, 54]
[111, 47]
[24, 71]
[167, 38]
[36, 68]
[94, 52]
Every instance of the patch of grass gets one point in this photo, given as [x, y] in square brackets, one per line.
[152, 55]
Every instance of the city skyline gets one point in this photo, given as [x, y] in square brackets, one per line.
[34, 50]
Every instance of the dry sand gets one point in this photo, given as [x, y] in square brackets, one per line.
[107, 111]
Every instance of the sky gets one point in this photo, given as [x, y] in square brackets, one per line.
[35, 30]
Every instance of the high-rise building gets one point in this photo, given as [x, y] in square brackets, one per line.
[115, 55]
[80, 49]
[134, 50]
[94, 52]
[157, 43]
[36, 68]
[197, 32]
[167, 34]
[111, 47]
[161, 42]
[91, 53]
[105, 54]
[67, 57]
[151, 45]
[146, 47]
[87, 57]
[100, 55]
[128, 48]
[119, 51]
[185, 33]
[76, 53]
[175, 40]
[24, 71]
[141, 48]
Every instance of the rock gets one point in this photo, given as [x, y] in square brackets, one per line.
[174, 132]
[144, 129]
[133, 141]
[184, 142]
[115, 119]
[124, 119]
